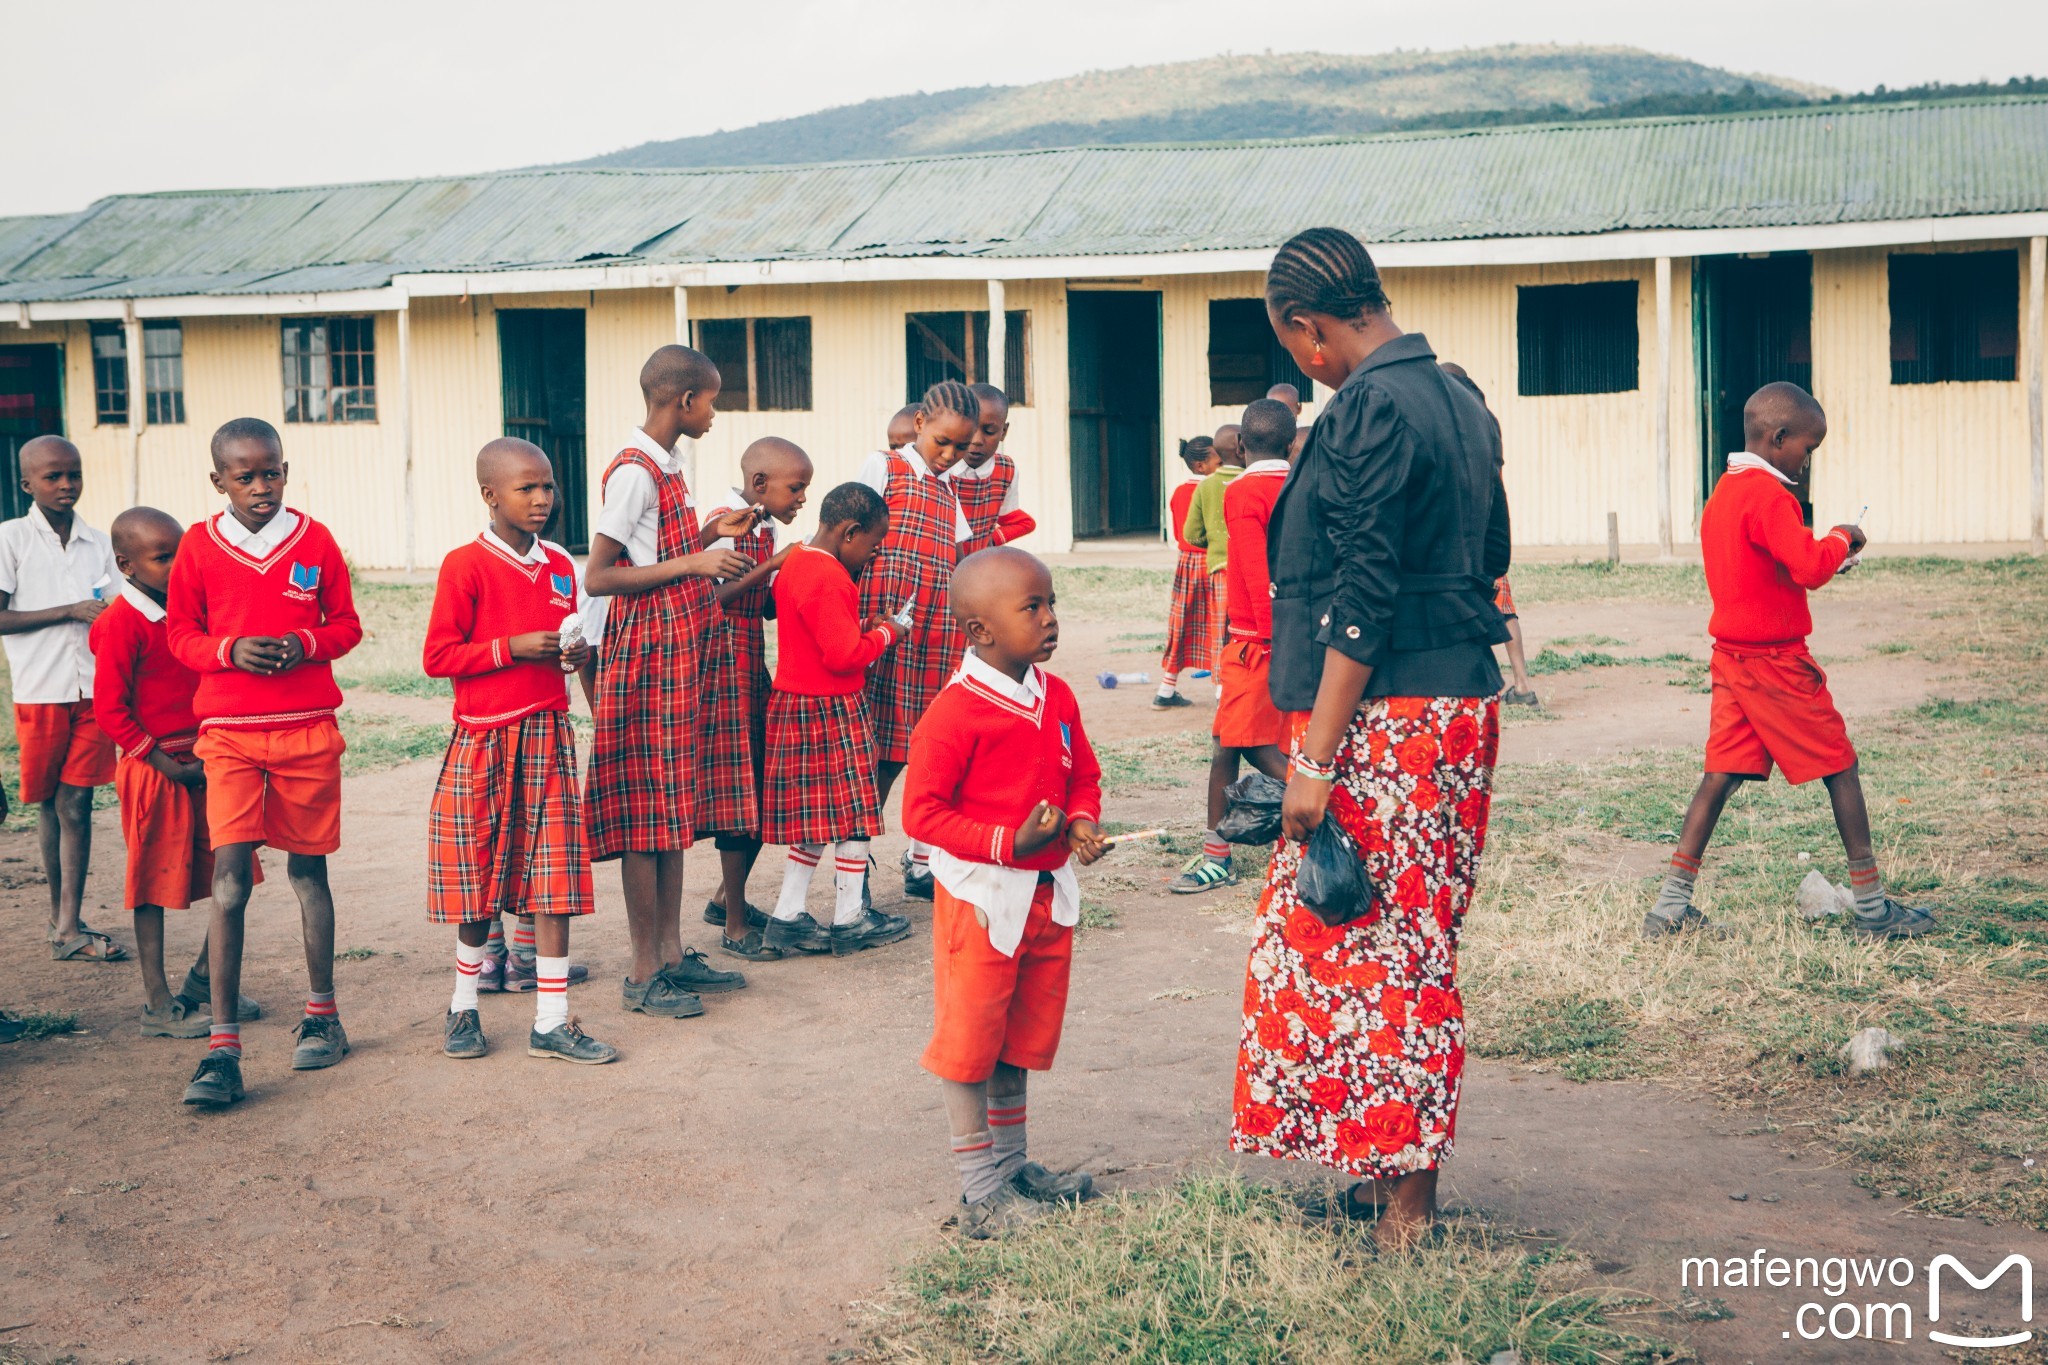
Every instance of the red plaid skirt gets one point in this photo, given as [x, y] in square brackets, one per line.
[505, 830]
[1191, 619]
[734, 741]
[982, 502]
[819, 783]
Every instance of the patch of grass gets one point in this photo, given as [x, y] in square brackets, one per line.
[1216, 1269]
[355, 954]
[397, 683]
[1096, 915]
[1152, 762]
[379, 742]
[1550, 660]
[1597, 580]
[1112, 593]
[1894, 647]
[47, 1024]
[394, 629]
[1585, 641]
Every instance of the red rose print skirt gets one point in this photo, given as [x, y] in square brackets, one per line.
[1354, 1037]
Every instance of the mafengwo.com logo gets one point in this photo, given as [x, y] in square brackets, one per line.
[1874, 1298]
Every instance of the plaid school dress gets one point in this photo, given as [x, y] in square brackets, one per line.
[982, 502]
[505, 832]
[915, 563]
[641, 793]
[736, 688]
[1192, 618]
[820, 772]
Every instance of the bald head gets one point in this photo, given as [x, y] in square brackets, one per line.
[1780, 410]
[139, 528]
[988, 580]
[674, 371]
[903, 427]
[772, 456]
[37, 453]
[510, 460]
[1288, 394]
[1230, 443]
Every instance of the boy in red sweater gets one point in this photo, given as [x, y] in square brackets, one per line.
[1190, 612]
[142, 698]
[505, 830]
[819, 784]
[1004, 786]
[1771, 702]
[985, 482]
[260, 606]
[1247, 727]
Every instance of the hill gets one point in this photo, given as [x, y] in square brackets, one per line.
[1233, 97]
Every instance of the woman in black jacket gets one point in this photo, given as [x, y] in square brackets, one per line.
[1384, 546]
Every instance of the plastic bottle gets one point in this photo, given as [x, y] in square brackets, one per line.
[1115, 680]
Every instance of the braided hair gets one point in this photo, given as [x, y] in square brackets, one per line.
[1196, 449]
[1324, 270]
[950, 395]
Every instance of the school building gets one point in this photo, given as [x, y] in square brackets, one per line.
[1616, 288]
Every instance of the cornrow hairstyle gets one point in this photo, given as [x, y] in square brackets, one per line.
[854, 502]
[1196, 449]
[1324, 270]
[950, 395]
[243, 429]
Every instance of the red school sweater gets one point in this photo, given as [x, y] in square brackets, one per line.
[1761, 561]
[980, 762]
[483, 597]
[1247, 511]
[220, 595]
[820, 650]
[1177, 513]
[141, 694]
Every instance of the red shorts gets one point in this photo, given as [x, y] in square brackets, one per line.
[170, 857]
[987, 1008]
[60, 742]
[1772, 705]
[1245, 715]
[276, 787]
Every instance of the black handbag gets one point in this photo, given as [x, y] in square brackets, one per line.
[1331, 881]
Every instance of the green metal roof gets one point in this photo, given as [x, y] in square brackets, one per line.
[1835, 164]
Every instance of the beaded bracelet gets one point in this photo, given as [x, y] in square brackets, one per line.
[1318, 772]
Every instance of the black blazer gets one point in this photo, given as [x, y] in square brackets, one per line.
[1388, 536]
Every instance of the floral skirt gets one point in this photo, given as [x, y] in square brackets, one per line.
[1354, 1037]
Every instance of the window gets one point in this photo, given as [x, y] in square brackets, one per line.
[163, 372]
[110, 374]
[935, 348]
[1577, 338]
[1955, 317]
[330, 369]
[764, 364]
[1245, 358]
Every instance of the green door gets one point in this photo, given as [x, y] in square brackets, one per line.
[1113, 411]
[540, 364]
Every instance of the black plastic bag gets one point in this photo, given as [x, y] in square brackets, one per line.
[1252, 815]
[1331, 882]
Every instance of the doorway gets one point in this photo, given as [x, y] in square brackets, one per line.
[31, 405]
[540, 367]
[1113, 411]
[1754, 326]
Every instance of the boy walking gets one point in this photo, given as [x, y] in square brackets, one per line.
[1771, 703]
[55, 576]
[260, 606]
[1004, 786]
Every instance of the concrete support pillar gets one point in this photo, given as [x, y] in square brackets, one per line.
[405, 431]
[998, 338]
[138, 402]
[686, 450]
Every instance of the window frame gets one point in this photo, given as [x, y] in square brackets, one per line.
[750, 368]
[1955, 293]
[970, 367]
[1275, 364]
[339, 362]
[163, 403]
[110, 397]
[1552, 337]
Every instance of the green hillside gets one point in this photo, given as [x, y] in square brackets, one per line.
[1232, 97]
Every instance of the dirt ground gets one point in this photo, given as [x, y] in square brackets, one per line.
[737, 1184]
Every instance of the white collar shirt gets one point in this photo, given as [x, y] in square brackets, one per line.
[52, 665]
[258, 544]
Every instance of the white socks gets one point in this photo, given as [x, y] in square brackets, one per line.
[1167, 684]
[468, 963]
[849, 874]
[551, 1001]
[796, 879]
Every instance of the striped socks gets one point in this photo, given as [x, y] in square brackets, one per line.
[920, 855]
[551, 1001]
[522, 938]
[495, 944]
[320, 1005]
[796, 879]
[974, 1154]
[849, 875]
[1168, 682]
[226, 1039]
[469, 963]
[1674, 898]
[1216, 848]
[1867, 887]
[1006, 1124]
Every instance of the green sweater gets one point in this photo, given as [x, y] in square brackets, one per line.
[1205, 517]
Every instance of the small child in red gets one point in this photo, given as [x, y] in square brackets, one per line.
[142, 698]
[819, 786]
[986, 481]
[1191, 611]
[505, 829]
[1771, 702]
[1004, 786]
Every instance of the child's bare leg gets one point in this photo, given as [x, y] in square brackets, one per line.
[149, 951]
[65, 832]
[1852, 817]
[308, 875]
[1268, 759]
[1673, 908]
[669, 887]
[1222, 772]
[232, 882]
[1409, 1210]
[49, 841]
[1518, 664]
[1704, 813]
[735, 865]
[886, 774]
[639, 876]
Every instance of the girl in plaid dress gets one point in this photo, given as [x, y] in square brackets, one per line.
[646, 553]
[1191, 614]
[986, 481]
[911, 570]
[505, 831]
[774, 475]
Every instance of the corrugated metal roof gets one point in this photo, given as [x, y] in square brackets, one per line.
[1837, 164]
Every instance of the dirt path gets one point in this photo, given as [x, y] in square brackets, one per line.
[737, 1181]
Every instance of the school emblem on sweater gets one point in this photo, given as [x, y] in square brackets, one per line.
[305, 581]
[1066, 745]
[564, 586]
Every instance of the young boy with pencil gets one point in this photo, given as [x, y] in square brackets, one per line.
[1004, 786]
[1190, 632]
[985, 482]
[641, 798]
[142, 697]
[260, 606]
[56, 574]
[774, 477]
[819, 780]
[505, 828]
[1771, 703]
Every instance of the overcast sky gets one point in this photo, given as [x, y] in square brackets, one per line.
[101, 98]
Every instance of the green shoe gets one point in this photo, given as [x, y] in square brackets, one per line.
[569, 1043]
[1202, 874]
[465, 1035]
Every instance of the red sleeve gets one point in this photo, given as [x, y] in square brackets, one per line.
[116, 651]
[185, 624]
[833, 614]
[340, 629]
[1244, 526]
[940, 759]
[449, 651]
[1013, 526]
[1777, 528]
[1084, 788]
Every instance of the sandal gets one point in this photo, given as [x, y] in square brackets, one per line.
[90, 946]
[50, 930]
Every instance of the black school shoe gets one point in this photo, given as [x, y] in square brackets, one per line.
[322, 1042]
[1170, 702]
[917, 882]
[714, 913]
[872, 930]
[696, 975]
[569, 1043]
[802, 934]
[752, 947]
[217, 1082]
[465, 1035]
[884, 927]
